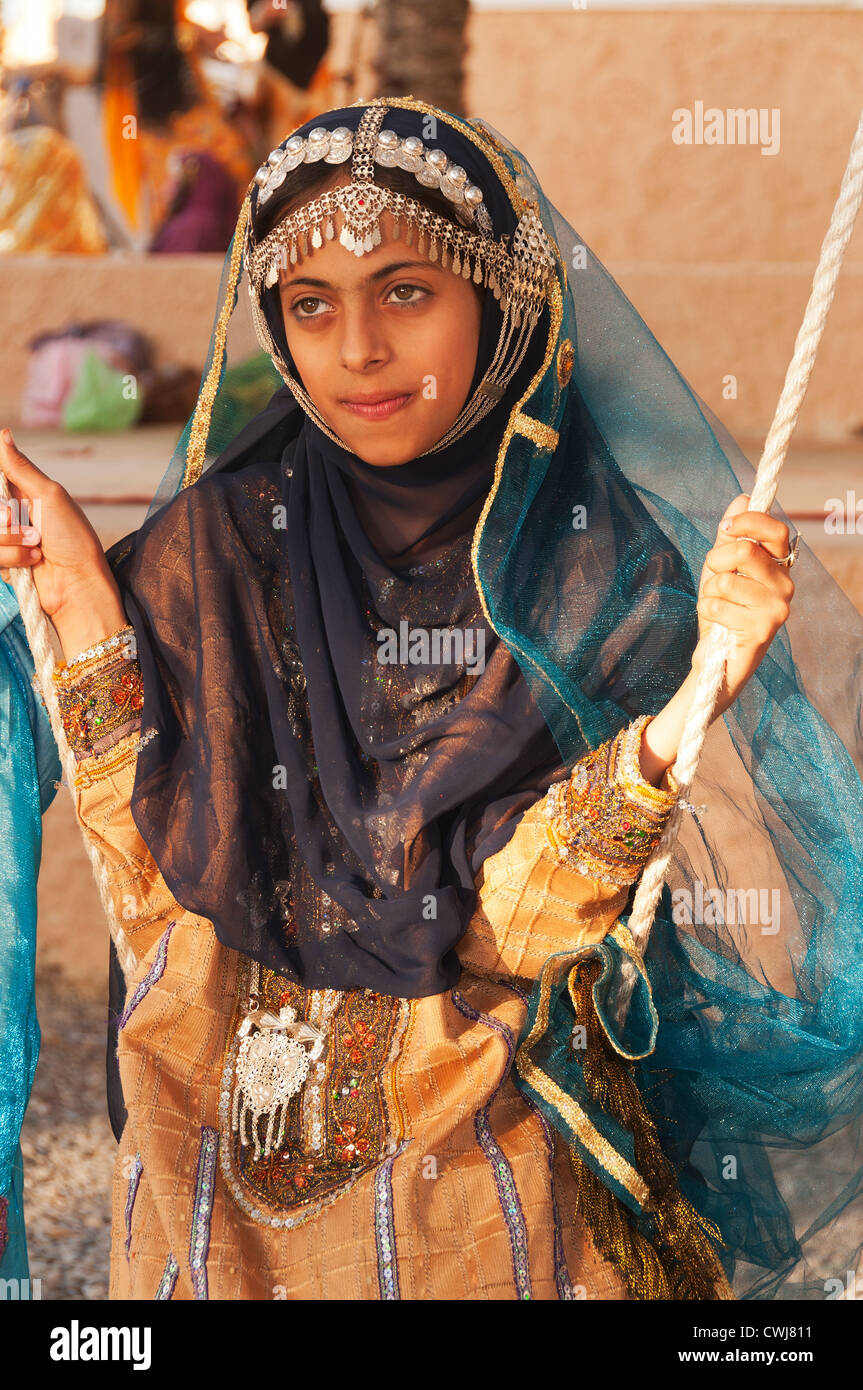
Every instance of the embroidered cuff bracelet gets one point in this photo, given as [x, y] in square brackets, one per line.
[101, 698]
[120, 643]
[605, 820]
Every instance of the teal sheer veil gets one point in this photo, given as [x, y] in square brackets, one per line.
[30, 769]
[756, 1080]
[610, 482]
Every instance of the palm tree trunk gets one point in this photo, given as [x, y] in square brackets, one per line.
[421, 50]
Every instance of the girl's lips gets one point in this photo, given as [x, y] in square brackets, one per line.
[380, 410]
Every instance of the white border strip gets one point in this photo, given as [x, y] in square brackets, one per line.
[585, 6]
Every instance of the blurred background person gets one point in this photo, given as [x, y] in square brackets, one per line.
[45, 201]
[297, 80]
[178, 164]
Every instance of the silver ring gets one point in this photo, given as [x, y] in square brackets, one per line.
[788, 560]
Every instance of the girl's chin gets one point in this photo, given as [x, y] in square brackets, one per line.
[387, 453]
[377, 461]
[386, 443]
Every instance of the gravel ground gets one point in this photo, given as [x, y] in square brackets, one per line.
[68, 1148]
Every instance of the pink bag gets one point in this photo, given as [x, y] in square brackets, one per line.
[51, 374]
[55, 361]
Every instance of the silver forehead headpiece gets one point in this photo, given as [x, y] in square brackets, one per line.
[517, 272]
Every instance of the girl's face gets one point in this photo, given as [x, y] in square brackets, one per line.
[385, 344]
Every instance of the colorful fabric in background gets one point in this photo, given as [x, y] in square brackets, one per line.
[146, 169]
[29, 768]
[45, 203]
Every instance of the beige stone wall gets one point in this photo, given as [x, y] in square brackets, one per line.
[715, 245]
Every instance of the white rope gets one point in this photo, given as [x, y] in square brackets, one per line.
[718, 644]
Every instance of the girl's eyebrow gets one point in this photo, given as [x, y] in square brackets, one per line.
[376, 275]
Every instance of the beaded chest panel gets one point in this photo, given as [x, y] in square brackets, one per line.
[343, 1121]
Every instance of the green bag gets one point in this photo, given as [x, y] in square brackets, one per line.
[101, 398]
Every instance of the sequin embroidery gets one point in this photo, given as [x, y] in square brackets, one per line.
[504, 1178]
[134, 1181]
[168, 1281]
[199, 1238]
[155, 972]
[385, 1231]
[338, 1126]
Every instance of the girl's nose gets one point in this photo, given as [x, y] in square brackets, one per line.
[363, 344]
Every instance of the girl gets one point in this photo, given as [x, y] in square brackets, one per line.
[374, 718]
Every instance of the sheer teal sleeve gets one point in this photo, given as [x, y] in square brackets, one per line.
[29, 769]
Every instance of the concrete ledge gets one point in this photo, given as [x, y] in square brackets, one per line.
[169, 298]
[714, 320]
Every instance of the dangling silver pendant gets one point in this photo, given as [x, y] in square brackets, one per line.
[272, 1065]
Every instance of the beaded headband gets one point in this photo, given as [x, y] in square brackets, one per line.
[518, 273]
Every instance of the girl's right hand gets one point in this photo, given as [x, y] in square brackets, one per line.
[64, 555]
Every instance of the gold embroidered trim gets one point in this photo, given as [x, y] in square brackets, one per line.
[102, 766]
[535, 430]
[678, 1260]
[605, 820]
[199, 432]
[565, 362]
[106, 697]
[585, 951]
[572, 1112]
[355, 1079]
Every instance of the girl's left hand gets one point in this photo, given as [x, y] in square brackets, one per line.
[743, 589]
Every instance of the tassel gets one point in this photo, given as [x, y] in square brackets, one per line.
[679, 1262]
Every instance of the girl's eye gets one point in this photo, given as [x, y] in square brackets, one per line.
[310, 307]
[410, 297]
[308, 302]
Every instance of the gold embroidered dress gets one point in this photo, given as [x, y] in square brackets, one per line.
[409, 1165]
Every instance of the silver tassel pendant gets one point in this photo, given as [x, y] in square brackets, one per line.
[272, 1066]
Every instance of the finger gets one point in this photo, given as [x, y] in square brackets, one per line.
[749, 593]
[22, 474]
[768, 530]
[734, 509]
[20, 555]
[723, 613]
[750, 558]
[10, 517]
[752, 622]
